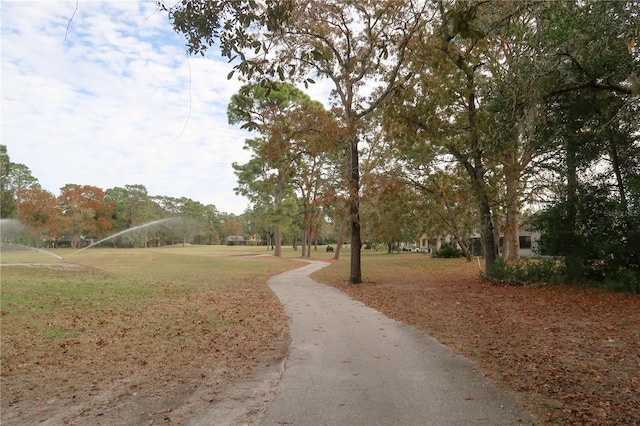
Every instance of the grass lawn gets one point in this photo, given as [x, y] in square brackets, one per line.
[96, 331]
[139, 322]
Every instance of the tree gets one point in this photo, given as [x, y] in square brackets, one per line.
[310, 138]
[211, 225]
[39, 211]
[444, 198]
[281, 113]
[592, 99]
[267, 184]
[259, 223]
[440, 107]
[13, 178]
[232, 226]
[7, 201]
[350, 43]
[132, 207]
[392, 209]
[85, 212]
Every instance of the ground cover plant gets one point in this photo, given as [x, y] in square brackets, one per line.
[571, 353]
[125, 336]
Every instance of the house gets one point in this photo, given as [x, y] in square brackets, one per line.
[529, 243]
[236, 240]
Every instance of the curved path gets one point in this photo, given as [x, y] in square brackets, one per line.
[350, 365]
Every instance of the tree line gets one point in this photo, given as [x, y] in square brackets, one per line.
[81, 214]
[447, 116]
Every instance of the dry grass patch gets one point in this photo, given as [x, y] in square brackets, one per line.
[139, 329]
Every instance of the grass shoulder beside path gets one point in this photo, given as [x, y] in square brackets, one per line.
[571, 354]
[86, 336]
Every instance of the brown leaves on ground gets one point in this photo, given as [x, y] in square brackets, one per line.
[572, 354]
[89, 347]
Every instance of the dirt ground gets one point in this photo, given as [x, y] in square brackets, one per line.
[230, 401]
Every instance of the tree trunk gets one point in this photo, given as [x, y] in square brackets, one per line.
[310, 238]
[511, 243]
[303, 243]
[278, 238]
[355, 276]
[463, 247]
[277, 203]
[488, 239]
[316, 234]
[572, 257]
[615, 162]
[340, 240]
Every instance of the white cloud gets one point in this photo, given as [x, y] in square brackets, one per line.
[107, 105]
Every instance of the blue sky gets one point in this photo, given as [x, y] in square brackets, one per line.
[106, 102]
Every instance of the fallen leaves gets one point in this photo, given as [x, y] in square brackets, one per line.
[572, 354]
[139, 339]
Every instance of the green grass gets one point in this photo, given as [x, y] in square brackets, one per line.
[106, 314]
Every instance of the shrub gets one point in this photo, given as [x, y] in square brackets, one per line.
[624, 280]
[528, 271]
[447, 250]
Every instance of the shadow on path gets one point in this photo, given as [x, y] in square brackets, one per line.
[350, 365]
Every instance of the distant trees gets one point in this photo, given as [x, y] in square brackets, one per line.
[41, 213]
[13, 178]
[83, 214]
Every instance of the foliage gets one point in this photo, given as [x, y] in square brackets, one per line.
[7, 202]
[296, 144]
[525, 271]
[591, 216]
[606, 247]
[392, 211]
[84, 212]
[447, 250]
[14, 177]
[40, 212]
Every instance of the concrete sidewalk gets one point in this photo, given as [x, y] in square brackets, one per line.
[351, 365]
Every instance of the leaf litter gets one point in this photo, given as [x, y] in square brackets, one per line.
[572, 354]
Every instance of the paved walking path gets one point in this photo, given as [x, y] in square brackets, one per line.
[351, 365]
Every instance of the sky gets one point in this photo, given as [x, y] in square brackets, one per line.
[102, 93]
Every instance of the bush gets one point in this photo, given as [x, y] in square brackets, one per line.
[624, 280]
[447, 250]
[528, 271]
